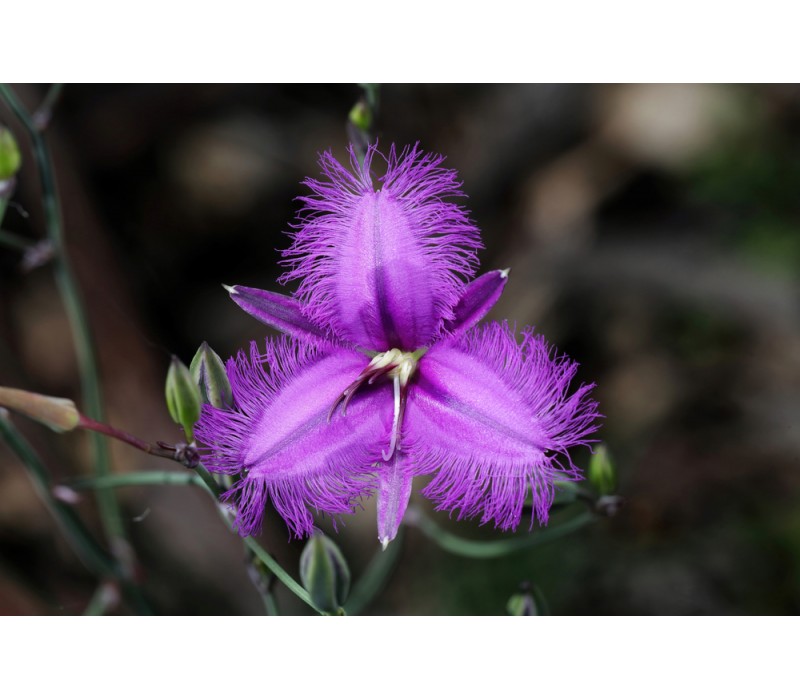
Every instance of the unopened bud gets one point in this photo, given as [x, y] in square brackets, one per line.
[208, 372]
[324, 573]
[56, 413]
[183, 397]
[523, 603]
[601, 472]
[361, 115]
[10, 158]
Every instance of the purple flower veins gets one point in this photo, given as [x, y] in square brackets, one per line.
[384, 374]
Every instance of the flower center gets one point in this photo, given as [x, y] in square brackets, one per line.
[400, 367]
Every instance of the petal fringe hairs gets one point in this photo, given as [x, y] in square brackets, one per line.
[383, 374]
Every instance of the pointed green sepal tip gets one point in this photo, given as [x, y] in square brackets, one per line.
[601, 472]
[56, 413]
[10, 157]
[183, 397]
[361, 115]
[208, 372]
[324, 573]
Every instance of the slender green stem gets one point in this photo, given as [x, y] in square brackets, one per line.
[280, 573]
[284, 577]
[136, 479]
[490, 549]
[90, 381]
[270, 604]
[199, 476]
[88, 550]
[262, 580]
[375, 576]
[209, 481]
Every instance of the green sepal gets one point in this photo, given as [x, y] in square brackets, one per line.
[208, 372]
[10, 157]
[183, 397]
[324, 573]
[601, 473]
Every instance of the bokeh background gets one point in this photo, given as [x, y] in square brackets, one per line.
[653, 233]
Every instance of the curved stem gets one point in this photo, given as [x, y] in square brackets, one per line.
[490, 549]
[90, 381]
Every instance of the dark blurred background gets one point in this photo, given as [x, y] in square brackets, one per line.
[653, 233]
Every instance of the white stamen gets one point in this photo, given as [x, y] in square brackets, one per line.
[395, 423]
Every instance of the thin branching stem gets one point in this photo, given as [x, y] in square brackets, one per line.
[490, 549]
[199, 475]
[93, 556]
[112, 481]
[110, 513]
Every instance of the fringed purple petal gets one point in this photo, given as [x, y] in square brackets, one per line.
[279, 438]
[286, 314]
[478, 298]
[383, 268]
[394, 491]
[490, 417]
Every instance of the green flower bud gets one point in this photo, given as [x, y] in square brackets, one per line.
[324, 573]
[601, 472]
[361, 115]
[521, 604]
[208, 372]
[183, 397]
[10, 158]
[57, 414]
[527, 601]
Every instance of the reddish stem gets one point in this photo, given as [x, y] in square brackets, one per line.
[167, 452]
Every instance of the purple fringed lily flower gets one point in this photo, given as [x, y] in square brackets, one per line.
[383, 374]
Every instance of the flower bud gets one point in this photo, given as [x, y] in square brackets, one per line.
[10, 158]
[361, 115]
[601, 472]
[208, 372]
[57, 414]
[523, 603]
[183, 397]
[324, 573]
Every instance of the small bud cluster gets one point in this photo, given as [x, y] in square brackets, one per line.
[188, 388]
